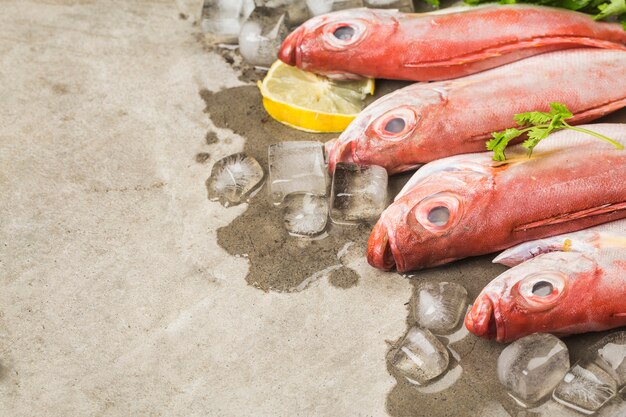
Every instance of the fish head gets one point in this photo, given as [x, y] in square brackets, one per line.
[390, 131]
[551, 293]
[334, 44]
[425, 225]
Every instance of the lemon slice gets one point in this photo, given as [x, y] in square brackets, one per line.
[310, 102]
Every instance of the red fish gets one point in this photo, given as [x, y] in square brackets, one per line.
[441, 45]
[428, 121]
[470, 205]
[573, 283]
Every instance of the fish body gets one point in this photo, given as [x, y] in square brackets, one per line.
[470, 205]
[427, 121]
[441, 45]
[572, 283]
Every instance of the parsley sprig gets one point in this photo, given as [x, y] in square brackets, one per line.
[537, 126]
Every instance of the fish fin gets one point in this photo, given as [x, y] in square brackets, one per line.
[572, 216]
[515, 47]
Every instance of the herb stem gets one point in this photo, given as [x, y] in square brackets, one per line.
[597, 135]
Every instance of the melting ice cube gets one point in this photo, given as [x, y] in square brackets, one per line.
[402, 5]
[610, 354]
[262, 34]
[317, 7]
[223, 18]
[296, 168]
[420, 356]
[358, 193]
[532, 366]
[297, 9]
[585, 388]
[305, 214]
[234, 178]
[439, 306]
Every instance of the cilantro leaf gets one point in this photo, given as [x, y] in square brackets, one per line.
[532, 118]
[560, 109]
[500, 141]
[615, 7]
[535, 135]
[537, 126]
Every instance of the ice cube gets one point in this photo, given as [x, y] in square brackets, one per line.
[401, 5]
[223, 18]
[420, 357]
[296, 168]
[532, 366]
[610, 354]
[317, 7]
[358, 193]
[439, 306]
[585, 388]
[262, 34]
[297, 9]
[305, 214]
[233, 178]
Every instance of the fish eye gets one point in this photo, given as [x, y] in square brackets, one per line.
[344, 33]
[438, 213]
[541, 290]
[338, 36]
[397, 124]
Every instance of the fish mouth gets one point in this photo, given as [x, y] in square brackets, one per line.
[339, 151]
[289, 51]
[483, 319]
[380, 249]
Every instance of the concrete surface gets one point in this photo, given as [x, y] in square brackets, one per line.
[116, 298]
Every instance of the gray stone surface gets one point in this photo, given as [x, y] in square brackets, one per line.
[115, 299]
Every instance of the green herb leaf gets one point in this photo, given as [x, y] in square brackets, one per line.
[536, 135]
[614, 8]
[532, 118]
[435, 3]
[538, 126]
[500, 141]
